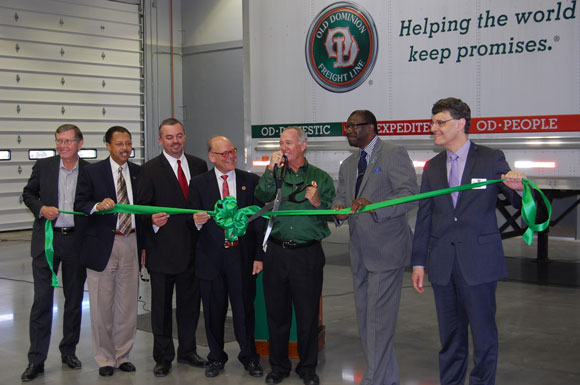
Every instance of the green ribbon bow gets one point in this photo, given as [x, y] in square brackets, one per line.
[233, 221]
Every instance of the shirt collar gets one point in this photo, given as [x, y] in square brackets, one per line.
[173, 160]
[72, 169]
[462, 152]
[371, 146]
[230, 174]
[116, 166]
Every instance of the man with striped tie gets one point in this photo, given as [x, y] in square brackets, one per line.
[111, 252]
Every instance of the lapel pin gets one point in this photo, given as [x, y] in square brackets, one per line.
[244, 188]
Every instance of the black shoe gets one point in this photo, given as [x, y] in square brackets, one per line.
[106, 371]
[275, 377]
[310, 379]
[162, 368]
[213, 368]
[71, 361]
[127, 367]
[32, 371]
[254, 369]
[192, 359]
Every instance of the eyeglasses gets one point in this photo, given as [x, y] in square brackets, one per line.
[350, 126]
[440, 122]
[65, 141]
[225, 154]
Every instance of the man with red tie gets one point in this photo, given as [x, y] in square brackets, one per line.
[227, 268]
[170, 245]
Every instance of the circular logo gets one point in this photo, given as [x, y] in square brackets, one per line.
[341, 46]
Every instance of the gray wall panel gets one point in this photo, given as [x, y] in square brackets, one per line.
[213, 99]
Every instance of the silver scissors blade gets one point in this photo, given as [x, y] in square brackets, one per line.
[275, 207]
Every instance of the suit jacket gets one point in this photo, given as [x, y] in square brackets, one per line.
[96, 183]
[204, 193]
[42, 190]
[381, 240]
[469, 231]
[170, 249]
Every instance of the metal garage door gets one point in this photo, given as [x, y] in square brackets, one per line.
[73, 61]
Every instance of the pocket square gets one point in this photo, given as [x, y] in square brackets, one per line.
[378, 169]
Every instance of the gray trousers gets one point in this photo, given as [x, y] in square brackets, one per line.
[377, 296]
[113, 295]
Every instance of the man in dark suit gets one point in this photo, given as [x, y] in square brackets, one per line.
[170, 243]
[457, 235]
[51, 187]
[380, 241]
[110, 252]
[227, 267]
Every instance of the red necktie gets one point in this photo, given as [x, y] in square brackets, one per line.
[182, 180]
[225, 187]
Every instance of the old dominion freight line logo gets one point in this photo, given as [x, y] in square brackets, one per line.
[341, 46]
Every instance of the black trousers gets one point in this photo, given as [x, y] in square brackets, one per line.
[73, 281]
[293, 277]
[233, 281]
[188, 301]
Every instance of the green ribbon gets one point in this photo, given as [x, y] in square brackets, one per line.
[528, 205]
[234, 221]
[225, 213]
[48, 245]
[49, 250]
[529, 211]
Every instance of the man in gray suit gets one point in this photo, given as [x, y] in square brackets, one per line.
[380, 241]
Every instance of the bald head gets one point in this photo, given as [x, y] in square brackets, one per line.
[222, 153]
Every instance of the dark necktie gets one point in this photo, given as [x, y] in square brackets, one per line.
[454, 176]
[362, 166]
[225, 187]
[182, 180]
[124, 225]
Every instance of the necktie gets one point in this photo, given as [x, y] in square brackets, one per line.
[454, 176]
[362, 166]
[124, 220]
[225, 187]
[182, 180]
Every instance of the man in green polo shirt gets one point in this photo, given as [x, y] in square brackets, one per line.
[294, 257]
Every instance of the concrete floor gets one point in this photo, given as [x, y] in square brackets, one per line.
[539, 328]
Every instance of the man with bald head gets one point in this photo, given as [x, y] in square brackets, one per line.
[226, 267]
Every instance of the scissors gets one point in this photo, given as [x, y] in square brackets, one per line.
[275, 205]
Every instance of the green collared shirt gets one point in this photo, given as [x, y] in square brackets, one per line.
[305, 228]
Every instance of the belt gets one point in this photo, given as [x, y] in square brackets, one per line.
[228, 244]
[292, 244]
[124, 235]
[63, 230]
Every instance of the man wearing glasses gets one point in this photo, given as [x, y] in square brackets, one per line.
[294, 259]
[380, 241]
[170, 243]
[52, 186]
[227, 267]
[458, 234]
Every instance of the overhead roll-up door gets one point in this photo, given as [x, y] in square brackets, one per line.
[74, 61]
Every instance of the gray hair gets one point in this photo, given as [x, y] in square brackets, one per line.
[302, 136]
